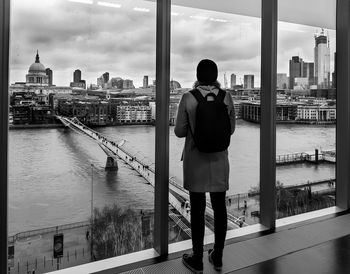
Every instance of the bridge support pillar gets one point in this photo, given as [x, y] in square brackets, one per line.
[111, 164]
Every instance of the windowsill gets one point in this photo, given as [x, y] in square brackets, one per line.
[150, 256]
[307, 217]
[123, 262]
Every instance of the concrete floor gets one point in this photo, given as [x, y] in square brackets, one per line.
[318, 247]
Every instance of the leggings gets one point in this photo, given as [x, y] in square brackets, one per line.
[198, 204]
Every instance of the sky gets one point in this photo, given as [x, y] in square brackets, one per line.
[119, 37]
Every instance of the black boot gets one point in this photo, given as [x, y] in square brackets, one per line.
[193, 263]
[215, 258]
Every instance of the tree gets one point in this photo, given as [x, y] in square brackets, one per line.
[117, 231]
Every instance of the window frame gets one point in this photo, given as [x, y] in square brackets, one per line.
[4, 118]
[343, 104]
[269, 17]
[161, 194]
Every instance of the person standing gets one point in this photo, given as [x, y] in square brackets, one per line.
[205, 159]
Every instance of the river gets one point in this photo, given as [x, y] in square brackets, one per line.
[50, 169]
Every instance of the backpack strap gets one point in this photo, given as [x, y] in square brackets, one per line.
[221, 95]
[197, 94]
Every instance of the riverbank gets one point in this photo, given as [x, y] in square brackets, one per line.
[33, 249]
[59, 125]
[35, 126]
[297, 122]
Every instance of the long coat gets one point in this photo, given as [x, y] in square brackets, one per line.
[202, 172]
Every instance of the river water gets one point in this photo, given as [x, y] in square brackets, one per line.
[50, 174]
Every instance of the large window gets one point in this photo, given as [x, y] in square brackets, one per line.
[99, 61]
[305, 114]
[233, 42]
[89, 184]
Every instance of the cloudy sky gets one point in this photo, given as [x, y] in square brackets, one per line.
[118, 36]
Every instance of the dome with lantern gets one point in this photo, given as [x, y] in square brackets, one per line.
[37, 73]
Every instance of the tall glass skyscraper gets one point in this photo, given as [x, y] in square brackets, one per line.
[322, 60]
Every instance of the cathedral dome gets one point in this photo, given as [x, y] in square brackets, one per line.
[174, 85]
[37, 74]
[37, 67]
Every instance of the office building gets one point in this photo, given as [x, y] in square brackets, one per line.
[322, 60]
[49, 73]
[77, 81]
[103, 80]
[296, 66]
[282, 81]
[316, 113]
[77, 76]
[249, 81]
[105, 77]
[128, 84]
[233, 80]
[301, 83]
[145, 81]
[308, 72]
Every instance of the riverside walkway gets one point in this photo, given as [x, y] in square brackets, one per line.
[117, 150]
[247, 205]
[33, 250]
[328, 182]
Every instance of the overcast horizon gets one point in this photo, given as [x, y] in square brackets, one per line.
[118, 36]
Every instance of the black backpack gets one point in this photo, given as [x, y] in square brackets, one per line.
[212, 131]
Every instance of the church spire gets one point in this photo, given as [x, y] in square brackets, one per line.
[37, 57]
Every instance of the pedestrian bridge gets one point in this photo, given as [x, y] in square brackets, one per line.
[118, 150]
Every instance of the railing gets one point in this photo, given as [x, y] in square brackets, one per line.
[46, 264]
[323, 156]
[180, 224]
[292, 158]
[330, 182]
[238, 196]
[35, 232]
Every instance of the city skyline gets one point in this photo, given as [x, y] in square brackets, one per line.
[131, 54]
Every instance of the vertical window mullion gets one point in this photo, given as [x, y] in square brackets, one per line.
[4, 63]
[268, 113]
[343, 104]
[162, 128]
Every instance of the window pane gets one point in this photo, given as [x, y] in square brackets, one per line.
[306, 113]
[85, 63]
[233, 42]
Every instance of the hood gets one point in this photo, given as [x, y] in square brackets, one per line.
[207, 89]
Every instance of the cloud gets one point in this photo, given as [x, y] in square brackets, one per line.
[122, 41]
